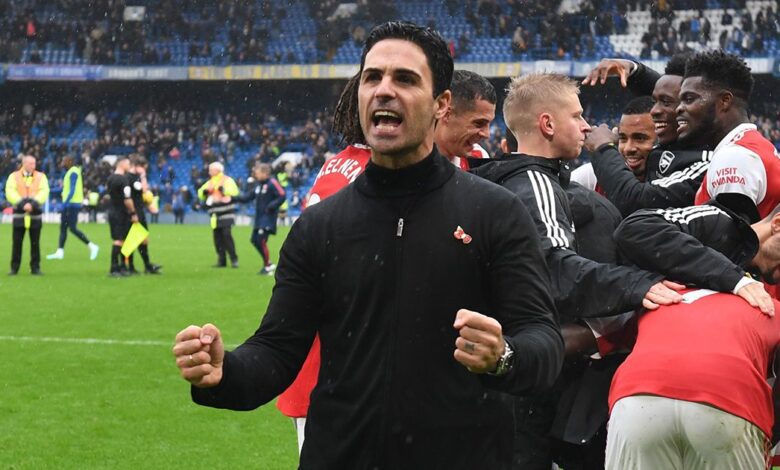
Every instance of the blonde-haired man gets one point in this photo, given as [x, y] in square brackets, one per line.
[544, 113]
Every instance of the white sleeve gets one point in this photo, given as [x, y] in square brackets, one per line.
[735, 169]
[585, 176]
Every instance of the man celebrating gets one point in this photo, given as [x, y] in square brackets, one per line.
[27, 190]
[674, 169]
[713, 106]
[408, 372]
[467, 122]
[72, 197]
[218, 193]
[544, 113]
[636, 139]
[700, 366]
[693, 393]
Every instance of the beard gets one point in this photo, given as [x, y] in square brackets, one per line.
[702, 135]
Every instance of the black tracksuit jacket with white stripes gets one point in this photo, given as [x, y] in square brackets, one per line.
[708, 246]
[581, 288]
[672, 179]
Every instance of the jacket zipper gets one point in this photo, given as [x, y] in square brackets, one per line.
[386, 430]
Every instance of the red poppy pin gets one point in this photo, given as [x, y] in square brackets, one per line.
[461, 235]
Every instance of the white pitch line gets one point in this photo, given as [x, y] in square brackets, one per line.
[120, 342]
[110, 342]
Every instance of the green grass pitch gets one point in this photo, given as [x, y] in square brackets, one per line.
[66, 402]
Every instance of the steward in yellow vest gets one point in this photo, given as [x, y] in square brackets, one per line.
[218, 193]
[27, 191]
[72, 198]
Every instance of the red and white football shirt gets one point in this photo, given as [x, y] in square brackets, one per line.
[744, 162]
[337, 173]
[713, 348]
[476, 152]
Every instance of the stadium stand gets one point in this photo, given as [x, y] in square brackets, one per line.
[198, 33]
[180, 139]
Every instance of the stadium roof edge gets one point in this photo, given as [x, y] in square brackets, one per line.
[25, 72]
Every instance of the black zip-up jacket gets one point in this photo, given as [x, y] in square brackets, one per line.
[378, 271]
[642, 81]
[708, 246]
[582, 288]
[673, 174]
[595, 220]
[672, 178]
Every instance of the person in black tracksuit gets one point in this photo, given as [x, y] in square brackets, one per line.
[582, 288]
[671, 179]
[710, 246]
[389, 394]
[568, 426]
[548, 122]
[268, 195]
[426, 285]
[674, 172]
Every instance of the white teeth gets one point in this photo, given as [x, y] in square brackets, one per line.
[390, 114]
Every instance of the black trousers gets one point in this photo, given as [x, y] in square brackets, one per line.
[35, 247]
[69, 220]
[260, 242]
[535, 448]
[223, 243]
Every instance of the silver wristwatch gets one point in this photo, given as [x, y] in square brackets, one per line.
[505, 362]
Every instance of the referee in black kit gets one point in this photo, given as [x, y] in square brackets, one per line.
[121, 213]
[136, 177]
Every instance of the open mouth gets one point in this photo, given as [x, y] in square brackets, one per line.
[386, 120]
[682, 124]
[660, 126]
[634, 162]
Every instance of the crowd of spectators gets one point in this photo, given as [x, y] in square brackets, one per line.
[100, 34]
[242, 30]
[747, 34]
[190, 135]
[165, 136]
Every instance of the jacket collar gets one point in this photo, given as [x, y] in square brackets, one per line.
[425, 176]
[508, 165]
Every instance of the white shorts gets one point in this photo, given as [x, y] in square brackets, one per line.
[300, 425]
[648, 432]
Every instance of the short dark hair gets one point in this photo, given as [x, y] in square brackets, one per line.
[468, 87]
[511, 140]
[639, 105]
[432, 44]
[138, 160]
[676, 65]
[716, 68]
